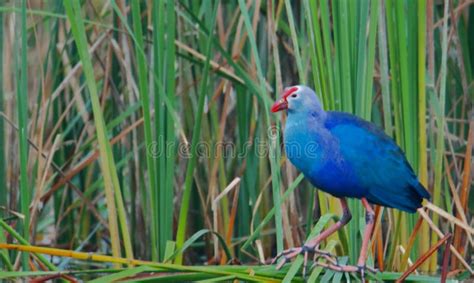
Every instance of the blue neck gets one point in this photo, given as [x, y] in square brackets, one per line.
[305, 137]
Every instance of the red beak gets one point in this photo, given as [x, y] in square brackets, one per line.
[279, 105]
[282, 104]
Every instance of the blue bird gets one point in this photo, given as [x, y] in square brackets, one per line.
[347, 157]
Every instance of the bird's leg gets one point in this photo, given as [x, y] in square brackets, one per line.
[369, 226]
[312, 244]
[361, 268]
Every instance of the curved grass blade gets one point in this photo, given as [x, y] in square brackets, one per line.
[124, 274]
[194, 238]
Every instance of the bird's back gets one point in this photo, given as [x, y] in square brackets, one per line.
[375, 160]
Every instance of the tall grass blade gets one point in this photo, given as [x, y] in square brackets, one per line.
[167, 187]
[384, 76]
[422, 155]
[185, 202]
[164, 69]
[146, 110]
[294, 38]
[107, 164]
[22, 104]
[3, 169]
[440, 122]
[274, 149]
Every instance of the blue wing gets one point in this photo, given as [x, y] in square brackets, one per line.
[379, 164]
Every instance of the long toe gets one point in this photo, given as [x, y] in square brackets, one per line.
[364, 269]
[287, 255]
[362, 272]
[330, 257]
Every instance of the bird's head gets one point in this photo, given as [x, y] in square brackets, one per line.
[298, 98]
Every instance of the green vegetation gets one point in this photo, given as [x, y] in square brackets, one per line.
[142, 130]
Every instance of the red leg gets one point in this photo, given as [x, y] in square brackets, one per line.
[312, 244]
[369, 225]
[369, 220]
[346, 217]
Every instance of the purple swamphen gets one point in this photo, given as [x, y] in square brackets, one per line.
[346, 157]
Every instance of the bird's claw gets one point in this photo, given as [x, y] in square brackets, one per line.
[361, 269]
[304, 250]
[371, 270]
[326, 255]
[330, 263]
[287, 255]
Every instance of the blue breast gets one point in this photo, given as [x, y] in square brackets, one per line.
[317, 154]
